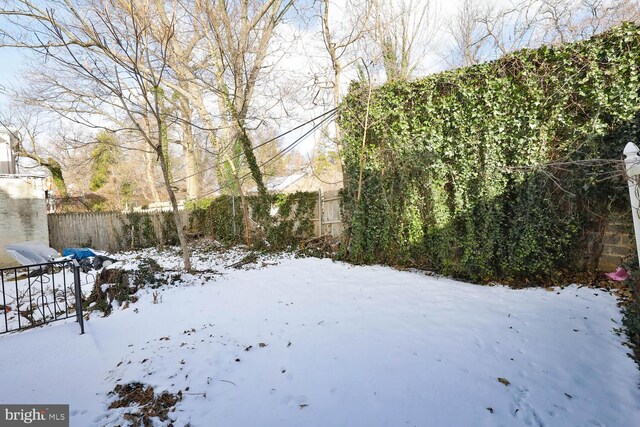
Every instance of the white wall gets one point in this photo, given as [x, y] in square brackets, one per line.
[23, 213]
[7, 160]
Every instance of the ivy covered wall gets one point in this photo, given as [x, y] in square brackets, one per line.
[496, 171]
[291, 220]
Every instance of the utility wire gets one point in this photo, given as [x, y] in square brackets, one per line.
[328, 112]
[275, 157]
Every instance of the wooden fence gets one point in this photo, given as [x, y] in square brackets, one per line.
[330, 223]
[106, 230]
[100, 230]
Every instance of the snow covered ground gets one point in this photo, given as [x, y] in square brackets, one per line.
[311, 342]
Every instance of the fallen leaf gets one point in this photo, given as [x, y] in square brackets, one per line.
[504, 381]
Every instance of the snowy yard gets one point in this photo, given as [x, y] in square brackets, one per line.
[310, 342]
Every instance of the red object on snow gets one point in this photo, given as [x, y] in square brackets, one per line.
[619, 275]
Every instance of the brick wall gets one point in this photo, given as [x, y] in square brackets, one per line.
[618, 242]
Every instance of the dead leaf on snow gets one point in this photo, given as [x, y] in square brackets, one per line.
[504, 381]
[144, 403]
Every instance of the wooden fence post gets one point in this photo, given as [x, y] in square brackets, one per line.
[632, 165]
[320, 210]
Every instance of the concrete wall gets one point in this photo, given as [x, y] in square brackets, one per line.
[23, 213]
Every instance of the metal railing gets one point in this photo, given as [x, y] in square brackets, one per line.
[36, 294]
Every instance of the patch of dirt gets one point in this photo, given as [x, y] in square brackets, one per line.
[250, 258]
[144, 403]
[319, 247]
[123, 284]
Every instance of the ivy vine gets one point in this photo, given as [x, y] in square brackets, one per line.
[496, 171]
[291, 219]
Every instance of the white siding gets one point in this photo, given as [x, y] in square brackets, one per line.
[7, 161]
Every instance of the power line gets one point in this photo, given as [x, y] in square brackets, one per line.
[331, 111]
[280, 154]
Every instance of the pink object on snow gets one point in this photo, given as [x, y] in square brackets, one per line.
[619, 275]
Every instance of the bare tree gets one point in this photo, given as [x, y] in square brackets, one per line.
[563, 21]
[404, 31]
[107, 50]
[26, 125]
[338, 38]
[484, 31]
[182, 58]
[507, 28]
[239, 35]
[467, 34]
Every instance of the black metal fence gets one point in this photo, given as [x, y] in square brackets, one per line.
[36, 294]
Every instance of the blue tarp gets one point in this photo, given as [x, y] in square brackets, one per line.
[78, 253]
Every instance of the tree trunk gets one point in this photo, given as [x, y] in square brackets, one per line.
[243, 201]
[54, 168]
[177, 217]
[194, 177]
[245, 213]
[151, 177]
[194, 181]
[337, 72]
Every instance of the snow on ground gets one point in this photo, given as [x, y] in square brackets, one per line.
[311, 342]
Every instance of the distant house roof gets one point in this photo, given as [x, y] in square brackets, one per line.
[303, 180]
[280, 183]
